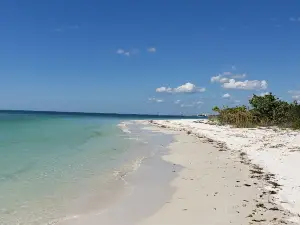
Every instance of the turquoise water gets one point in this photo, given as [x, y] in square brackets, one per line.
[53, 166]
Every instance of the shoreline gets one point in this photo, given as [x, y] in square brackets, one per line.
[268, 183]
[141, 173]
[191, 179]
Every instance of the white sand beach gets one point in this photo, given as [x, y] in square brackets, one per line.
[210, 174]
[231, 176]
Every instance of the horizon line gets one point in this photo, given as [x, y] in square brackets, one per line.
[90, 113]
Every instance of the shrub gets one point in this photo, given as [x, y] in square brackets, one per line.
[237, 116]
[264, 111]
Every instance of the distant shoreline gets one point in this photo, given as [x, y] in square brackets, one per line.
[116, 115]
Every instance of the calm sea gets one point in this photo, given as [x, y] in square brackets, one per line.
[57, 166]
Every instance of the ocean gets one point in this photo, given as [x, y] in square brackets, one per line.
[59, 166]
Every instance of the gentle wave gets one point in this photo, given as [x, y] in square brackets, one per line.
[123, 126]
[129, 168]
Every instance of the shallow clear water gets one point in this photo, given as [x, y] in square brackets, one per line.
[52, 166]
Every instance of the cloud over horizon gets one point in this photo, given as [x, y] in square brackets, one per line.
[155, 100]
[185, 88]
[226, 95]
[246, 85]
[264, 93]
[295, 94]
[219, 79]
[226, 76]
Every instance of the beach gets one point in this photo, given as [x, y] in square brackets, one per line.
[230, 175]
[146, 172]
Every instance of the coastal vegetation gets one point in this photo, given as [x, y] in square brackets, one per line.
[267, 110]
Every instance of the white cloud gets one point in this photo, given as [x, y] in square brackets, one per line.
[185, 88]
[188, 88]
[225, 77]
[164, 89]
[264, 93]
[224, 80]
[152, 49]
[226, 95]
[219, 79]
[155, 100]
[177, 101]
[120, 51]
[246, 85]
[215, 78]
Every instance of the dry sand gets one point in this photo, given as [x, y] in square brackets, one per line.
[216, 186]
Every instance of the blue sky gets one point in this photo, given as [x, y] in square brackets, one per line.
[146, 56]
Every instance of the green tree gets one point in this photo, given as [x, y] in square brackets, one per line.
[216, 109]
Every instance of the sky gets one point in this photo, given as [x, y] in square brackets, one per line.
[167, 57]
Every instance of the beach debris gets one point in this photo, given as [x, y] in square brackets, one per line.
[257, 220]
[274, 209]
[260, 205]
[275, 184]
[277, 146]
[256, 171]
